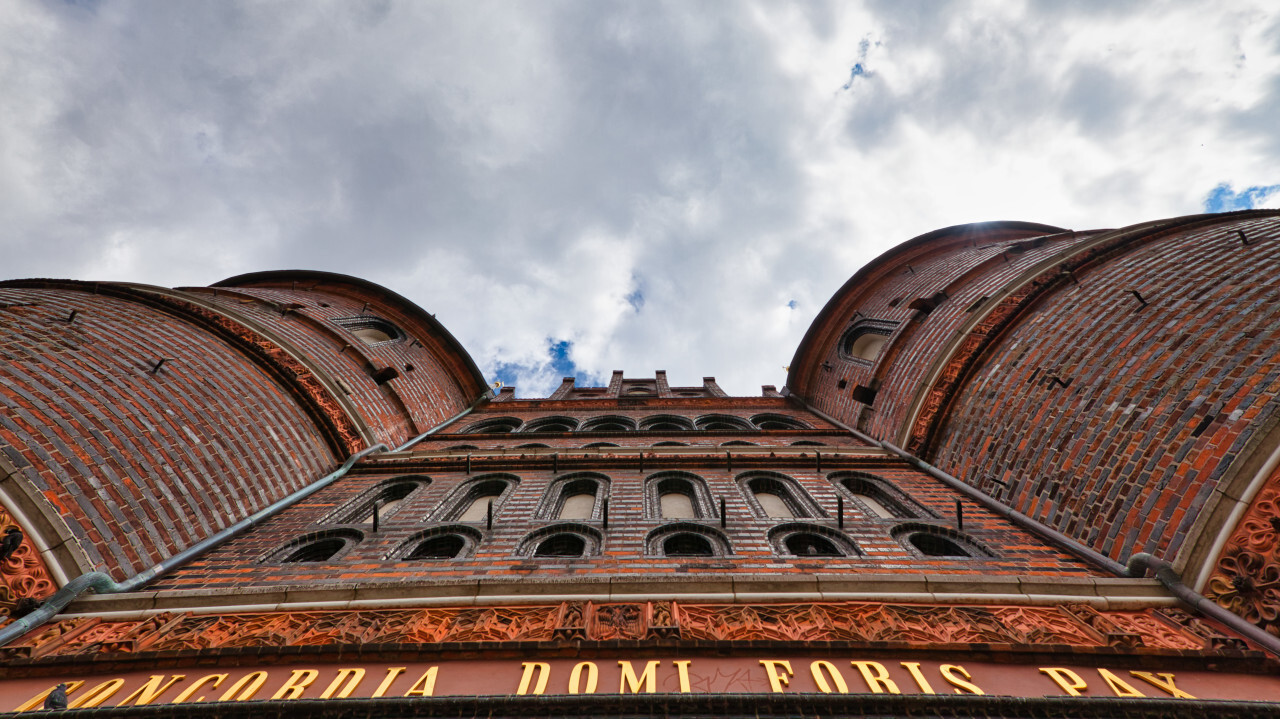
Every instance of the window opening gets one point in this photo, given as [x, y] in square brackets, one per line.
[687, 545]
[320, 551]
[811, 545]
[774, 506]
[578, 506]
[934, 546]
[561, 545]
[445, 547]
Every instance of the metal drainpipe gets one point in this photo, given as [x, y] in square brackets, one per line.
[102, 583]
[1138, 564]
[1164, 572]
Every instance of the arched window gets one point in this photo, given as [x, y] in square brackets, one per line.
[685, 539]
[533, 445]
[494, 425]
[738, 443]
[608, 423]
[723, 422]
[323, 546]
[317, 551]
[777, 496]
[797, 539]
[370, 330]
[863, 341]
[551, 424]
[440, 543]
[445, 547]
[576, 496]
[877, 498]
[666, 423]
[933, 541]
[777, 421]
[561, 545]
[677, 495]
[565, 540]
[598, 445]
[386, 497]
[471, 501]
[687, 544]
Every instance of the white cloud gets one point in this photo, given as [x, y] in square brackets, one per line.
[523, 169]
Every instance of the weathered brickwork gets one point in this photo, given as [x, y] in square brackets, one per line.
[1111, 416]
[142, 462]
[502, 554]
[430, 378]
[966, 266]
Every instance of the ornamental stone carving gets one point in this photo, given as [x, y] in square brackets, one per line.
[420, 629]
[1246, 579]
[24, 578]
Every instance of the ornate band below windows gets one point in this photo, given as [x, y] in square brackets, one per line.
[1069, 627]
[24, 578]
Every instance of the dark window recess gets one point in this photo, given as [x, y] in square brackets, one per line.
[446, 547]
[561, 545]
[316, 551]
[864, 394]
[934, 546]
[842, 384]
[928, 304]
[687, 545]
[384, 375]
[811, 545]
[895, 301]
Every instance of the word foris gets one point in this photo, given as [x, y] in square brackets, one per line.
[828, 677]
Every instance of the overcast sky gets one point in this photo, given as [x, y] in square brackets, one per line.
[583, 187]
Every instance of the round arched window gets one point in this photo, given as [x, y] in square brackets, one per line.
[687, 544]
[318, 551]
[811, 545]
[444, 547]
[561, 545]
[933, 545]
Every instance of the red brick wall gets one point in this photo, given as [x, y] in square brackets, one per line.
[1161, 398]
[142, 464]
[967, 265]
[239, 563]
[435, 377]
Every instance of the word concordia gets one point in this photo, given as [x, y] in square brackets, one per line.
[702, 675]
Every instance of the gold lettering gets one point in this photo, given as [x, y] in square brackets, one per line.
[351, 675]
[392, 673]
[199, 684]
[575, 678]
[1164, 683]
[245, 689]
[1070, 682]
[682, 668]
[821, 670]
[98, 694]
[629, 678]
[916, 674]
[777, 681]
[296, 684]
[543, 671]
[1120, 687]
[38, 700]
[426, 685]
[148, 692]
[961, 683]
[876, 677]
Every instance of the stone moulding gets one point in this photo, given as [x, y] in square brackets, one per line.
[1068, 628]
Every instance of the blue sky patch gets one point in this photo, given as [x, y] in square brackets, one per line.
[1224, 199]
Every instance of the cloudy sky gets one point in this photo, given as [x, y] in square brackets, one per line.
[588, 186]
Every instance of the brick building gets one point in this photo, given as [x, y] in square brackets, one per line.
[1017, 470]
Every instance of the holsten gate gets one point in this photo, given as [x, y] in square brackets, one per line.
[1016, 470]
